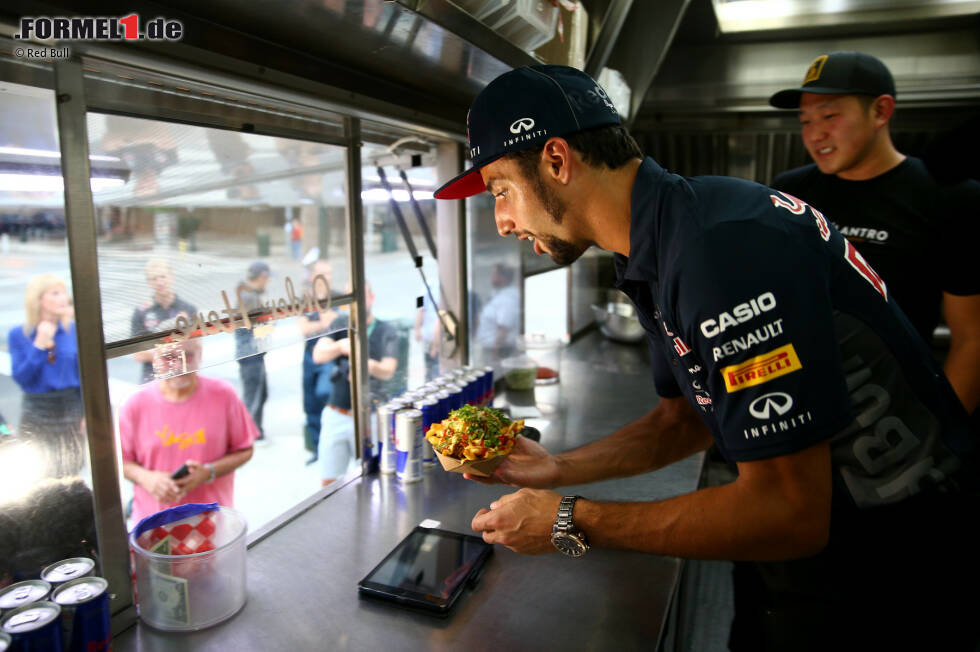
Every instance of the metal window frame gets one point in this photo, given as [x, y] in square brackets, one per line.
[83, 258]
[70, 84]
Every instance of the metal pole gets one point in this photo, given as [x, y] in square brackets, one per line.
[359, 386]
[83, 257]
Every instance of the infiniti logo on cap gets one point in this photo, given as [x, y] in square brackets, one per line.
[777, 402]
[522, 124]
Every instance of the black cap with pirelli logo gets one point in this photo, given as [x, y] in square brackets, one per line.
[839, 73]
[523, 108]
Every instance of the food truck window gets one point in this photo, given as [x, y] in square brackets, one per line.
[46, 505]
[213, 245]
[399, 299]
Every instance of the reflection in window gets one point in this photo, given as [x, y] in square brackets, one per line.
[46, 509]
[222, 236]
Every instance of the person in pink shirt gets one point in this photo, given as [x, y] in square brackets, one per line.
[186, 419]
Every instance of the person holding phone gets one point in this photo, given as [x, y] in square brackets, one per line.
[184, 420]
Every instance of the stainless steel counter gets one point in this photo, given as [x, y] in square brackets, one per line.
[302, 578]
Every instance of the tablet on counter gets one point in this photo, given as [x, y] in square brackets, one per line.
[429, 569]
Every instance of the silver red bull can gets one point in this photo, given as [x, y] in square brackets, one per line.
[443, 397]
[471, 390]
[386, 434]
[34, 627]
[455, 396]
[429, 407]
[85, 622]
[481, 388]
[23, 593]
[488, 384]
[68, 569]
[408, 445]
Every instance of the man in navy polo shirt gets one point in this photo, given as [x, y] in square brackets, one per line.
[771, 337]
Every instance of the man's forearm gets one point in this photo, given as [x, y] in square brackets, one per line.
[231, 461]
[962, 367]
[133, 472]
[772, 515]
[671, 432]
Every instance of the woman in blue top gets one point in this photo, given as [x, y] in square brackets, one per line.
[44, 361]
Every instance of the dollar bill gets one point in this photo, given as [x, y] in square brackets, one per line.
[170, 597]
[162, 547]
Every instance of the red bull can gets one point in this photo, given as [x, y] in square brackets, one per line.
[408, 444]
[85, 625]
[481, 389]
[23, 593]
[488, 384]
[443, 397]
[34, 627]
[455, 396]
[471, 389]
[429, 407]
[386, 434]
[67, 569]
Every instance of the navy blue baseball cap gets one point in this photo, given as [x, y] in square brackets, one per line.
[839, 73]
[523, 108]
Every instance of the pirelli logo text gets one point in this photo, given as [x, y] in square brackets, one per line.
[761, 369]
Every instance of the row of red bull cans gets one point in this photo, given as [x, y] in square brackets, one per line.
[67, 610]
[403, 421]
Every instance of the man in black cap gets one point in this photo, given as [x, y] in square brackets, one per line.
[770, 337]
[917, 233]
[251, 363]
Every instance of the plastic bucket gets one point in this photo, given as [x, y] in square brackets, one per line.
[189, 566]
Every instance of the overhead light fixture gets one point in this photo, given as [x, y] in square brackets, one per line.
[36, 170]
[400, 195]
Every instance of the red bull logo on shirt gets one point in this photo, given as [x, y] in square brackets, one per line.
[761, 369]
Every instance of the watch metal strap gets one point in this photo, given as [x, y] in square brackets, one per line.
[565, 508]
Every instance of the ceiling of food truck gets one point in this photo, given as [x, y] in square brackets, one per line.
[429, 58]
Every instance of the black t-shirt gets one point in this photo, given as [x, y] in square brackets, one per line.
[770, 322]
[919, 235]
[382, 343]
[154, 318]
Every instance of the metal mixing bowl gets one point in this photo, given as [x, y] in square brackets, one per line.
[618, 321]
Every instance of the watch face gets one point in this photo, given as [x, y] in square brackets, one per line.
[569, 544]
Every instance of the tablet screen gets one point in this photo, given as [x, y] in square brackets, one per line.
[429, 567]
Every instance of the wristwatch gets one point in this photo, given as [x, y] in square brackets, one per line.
[214, 471]
[564, 535]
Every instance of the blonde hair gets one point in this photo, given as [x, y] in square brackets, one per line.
[36, 288]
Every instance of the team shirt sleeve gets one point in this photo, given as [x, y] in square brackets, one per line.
[758, 313]
[663, 379]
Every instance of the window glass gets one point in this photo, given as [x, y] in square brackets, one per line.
[213, 244]
[46, 505]
[495, 287]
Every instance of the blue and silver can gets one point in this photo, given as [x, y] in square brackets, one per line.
[66, 570]
[408, 444]
[34, 627]
[481, 389]
[455, 396]
[443, 397]
[85, 614]
[386, 434]
[429, 407]
[471, 390]
[23, 593]
[488, 384]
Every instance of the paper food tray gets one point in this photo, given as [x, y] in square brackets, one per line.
[484, 468]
